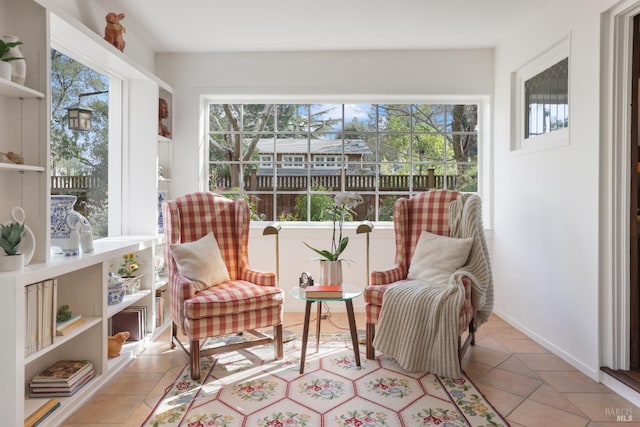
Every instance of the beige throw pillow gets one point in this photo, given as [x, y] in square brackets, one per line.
[201, 261]
[436, 257]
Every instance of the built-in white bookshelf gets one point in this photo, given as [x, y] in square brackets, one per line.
[81, 281]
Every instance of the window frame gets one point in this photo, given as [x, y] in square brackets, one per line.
[338, 163]
[293, 161]
[484, 147]
[519, 111]
[265, 161]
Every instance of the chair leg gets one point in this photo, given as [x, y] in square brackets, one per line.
[174, 334]
[472, 330]
[194, 356]
[277, 342]
[371, 331]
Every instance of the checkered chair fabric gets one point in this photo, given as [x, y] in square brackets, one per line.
[411, 216]
[250, 300]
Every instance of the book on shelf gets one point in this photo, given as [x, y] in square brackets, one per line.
[132, 319]
[47, 321]
[38, 390]
[159, 310]
[31, 331]
[328, 291]
[40, 315]
[64, 372]
[41, 413]
[67, 325]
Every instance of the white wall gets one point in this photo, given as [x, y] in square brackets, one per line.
[311, 77]
[546, 247]
[93, 17]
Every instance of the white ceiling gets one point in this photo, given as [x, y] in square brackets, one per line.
[299, 25]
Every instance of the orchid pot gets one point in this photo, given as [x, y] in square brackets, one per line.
[330, 273]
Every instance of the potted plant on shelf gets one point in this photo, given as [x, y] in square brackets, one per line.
[330, 263]
[127, 269]
[10, 239]
[5, 60]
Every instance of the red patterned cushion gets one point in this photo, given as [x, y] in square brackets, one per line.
[230, 323]
[232, 297]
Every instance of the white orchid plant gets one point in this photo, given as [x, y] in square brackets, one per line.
[342, 203]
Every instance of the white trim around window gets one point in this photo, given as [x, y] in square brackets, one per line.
[519, 111]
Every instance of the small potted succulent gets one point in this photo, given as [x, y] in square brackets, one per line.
[5, 61]
[10, 238]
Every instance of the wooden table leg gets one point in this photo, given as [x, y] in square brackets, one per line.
[354, 331]
[305, 335]
[318, 319]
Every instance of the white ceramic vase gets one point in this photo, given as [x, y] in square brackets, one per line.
[12, 262]
[330, 272]
[18, 66]
[5, 70]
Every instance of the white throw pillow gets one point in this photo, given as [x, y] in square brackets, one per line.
[436, 257]
[201, 261]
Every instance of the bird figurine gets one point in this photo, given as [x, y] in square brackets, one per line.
[115, 343]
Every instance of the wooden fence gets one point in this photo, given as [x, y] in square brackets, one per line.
[333, 182]
[73, 183]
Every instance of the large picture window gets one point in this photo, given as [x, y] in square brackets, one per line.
[380, 151]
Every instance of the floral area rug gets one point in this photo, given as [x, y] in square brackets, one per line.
[250, 388]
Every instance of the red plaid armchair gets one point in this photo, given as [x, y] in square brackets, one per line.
[426, 211]
[248, 301]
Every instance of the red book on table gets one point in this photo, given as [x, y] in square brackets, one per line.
[323, 291]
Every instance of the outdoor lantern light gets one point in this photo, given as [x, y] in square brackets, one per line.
[78, 116]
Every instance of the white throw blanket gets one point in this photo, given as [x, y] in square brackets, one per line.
[419, 323]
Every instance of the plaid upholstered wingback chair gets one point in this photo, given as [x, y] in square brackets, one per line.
[248, 300]
[428, 211]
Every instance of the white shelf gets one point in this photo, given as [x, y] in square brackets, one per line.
[128, 300]
[21, 168]
[88, 323]
[82, 279]
[67, 403]
[14, 90]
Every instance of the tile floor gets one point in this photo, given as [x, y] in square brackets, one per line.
[526, 383]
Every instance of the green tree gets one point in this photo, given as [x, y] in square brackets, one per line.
[441, 134]
[236, 129]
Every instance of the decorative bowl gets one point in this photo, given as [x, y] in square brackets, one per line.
[116, 290]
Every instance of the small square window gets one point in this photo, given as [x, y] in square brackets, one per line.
[546, 97]
[541, 102]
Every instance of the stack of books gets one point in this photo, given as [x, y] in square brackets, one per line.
[322, 291]
[63, 378]
[67, 325]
